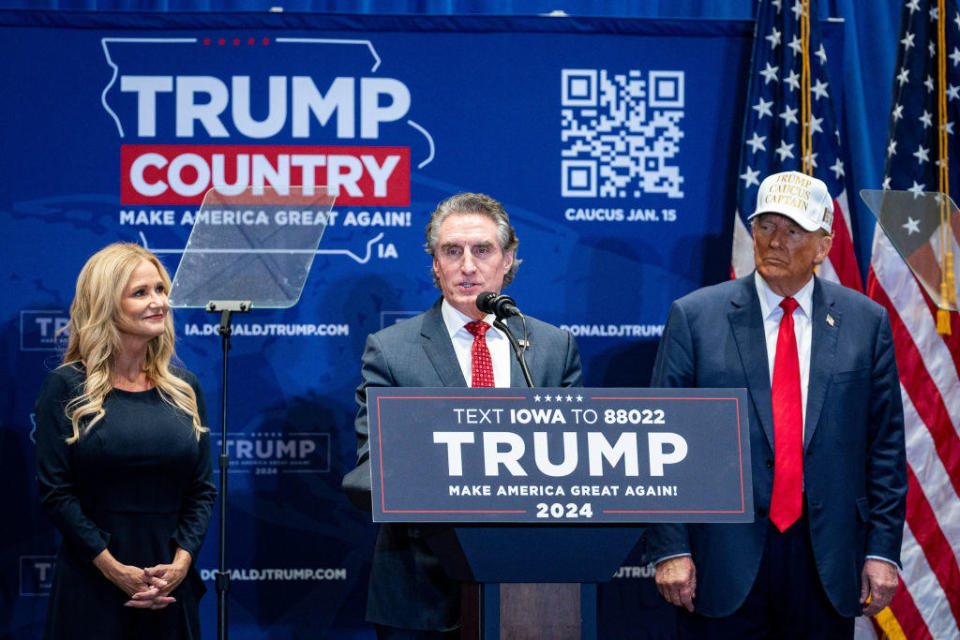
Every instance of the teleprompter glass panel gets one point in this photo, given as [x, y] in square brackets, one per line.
[921, 234]
[254, 245]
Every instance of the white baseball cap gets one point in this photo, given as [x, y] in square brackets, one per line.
[802, 198]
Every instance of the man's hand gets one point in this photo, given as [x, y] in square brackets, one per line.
[677, 581]
[879, 582]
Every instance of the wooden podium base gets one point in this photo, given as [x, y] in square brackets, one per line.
[529, 611]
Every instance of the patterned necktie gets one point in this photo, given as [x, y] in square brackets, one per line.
[785, 504]
[481, 366]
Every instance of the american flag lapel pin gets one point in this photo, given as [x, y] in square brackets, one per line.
[524, 343]
[830, 320]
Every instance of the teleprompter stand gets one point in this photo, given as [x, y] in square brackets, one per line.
[232, 268]
[226, 309]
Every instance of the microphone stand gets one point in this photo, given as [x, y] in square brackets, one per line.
[502, 326]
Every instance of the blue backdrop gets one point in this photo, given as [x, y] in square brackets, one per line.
[612, 144]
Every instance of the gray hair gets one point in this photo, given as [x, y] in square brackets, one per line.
[480, 204]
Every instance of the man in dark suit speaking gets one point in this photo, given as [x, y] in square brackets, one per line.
[451, 345]
[826, 438]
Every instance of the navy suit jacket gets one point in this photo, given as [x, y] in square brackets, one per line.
[855, 479]
[408, 587]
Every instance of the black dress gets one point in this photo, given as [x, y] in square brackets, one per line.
[139, 484]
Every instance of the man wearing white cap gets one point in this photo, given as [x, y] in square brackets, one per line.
[826, 438]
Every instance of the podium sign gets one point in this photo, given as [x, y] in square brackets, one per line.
[559, 455]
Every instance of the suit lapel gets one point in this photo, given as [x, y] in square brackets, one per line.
[746, 322]
[822, 354]
[439, 349]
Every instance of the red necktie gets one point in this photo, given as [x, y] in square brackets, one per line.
[481, 366]
[785, 504]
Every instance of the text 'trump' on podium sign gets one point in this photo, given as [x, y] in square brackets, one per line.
[559, 455]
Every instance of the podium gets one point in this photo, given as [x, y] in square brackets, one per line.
[538, 494]
[535, 581]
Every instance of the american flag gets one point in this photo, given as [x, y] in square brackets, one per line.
[927, 603]
[773, 129]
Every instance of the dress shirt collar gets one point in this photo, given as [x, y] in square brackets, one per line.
[770, 301]
[455, 321]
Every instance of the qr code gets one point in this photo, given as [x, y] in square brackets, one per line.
[620, 132]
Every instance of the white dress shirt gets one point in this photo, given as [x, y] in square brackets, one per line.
[802, 329]
[462, 339]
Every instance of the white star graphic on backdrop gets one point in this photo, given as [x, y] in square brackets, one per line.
[933, 13]
[953, 93]
[912, 226]
[907, 41]
[916, 190]
[926, 119]
[886, 182]
[812, 157]
[756, 142]
[750, 177]
[897, 112]
[784, 150]
[770, 74]
[820, 89]
[904, 76]
[763, 108]
[928, 83]
[793, 80]
[796, 45]
[932, 48]
[815, 125]
[922, 154]
[913, 5]
[822, 54]
[778, 4]
[774, 37]
[955, 56]
[837, 168]
[789, 116]
[949, 127]
[892, 147]
[956, 19]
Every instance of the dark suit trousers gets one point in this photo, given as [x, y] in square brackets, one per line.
[787, 600]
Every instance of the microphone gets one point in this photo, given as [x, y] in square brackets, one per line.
[500, 305]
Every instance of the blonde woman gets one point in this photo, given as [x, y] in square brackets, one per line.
[123, 460]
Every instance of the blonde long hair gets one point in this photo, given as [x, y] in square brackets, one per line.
[95, 340]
